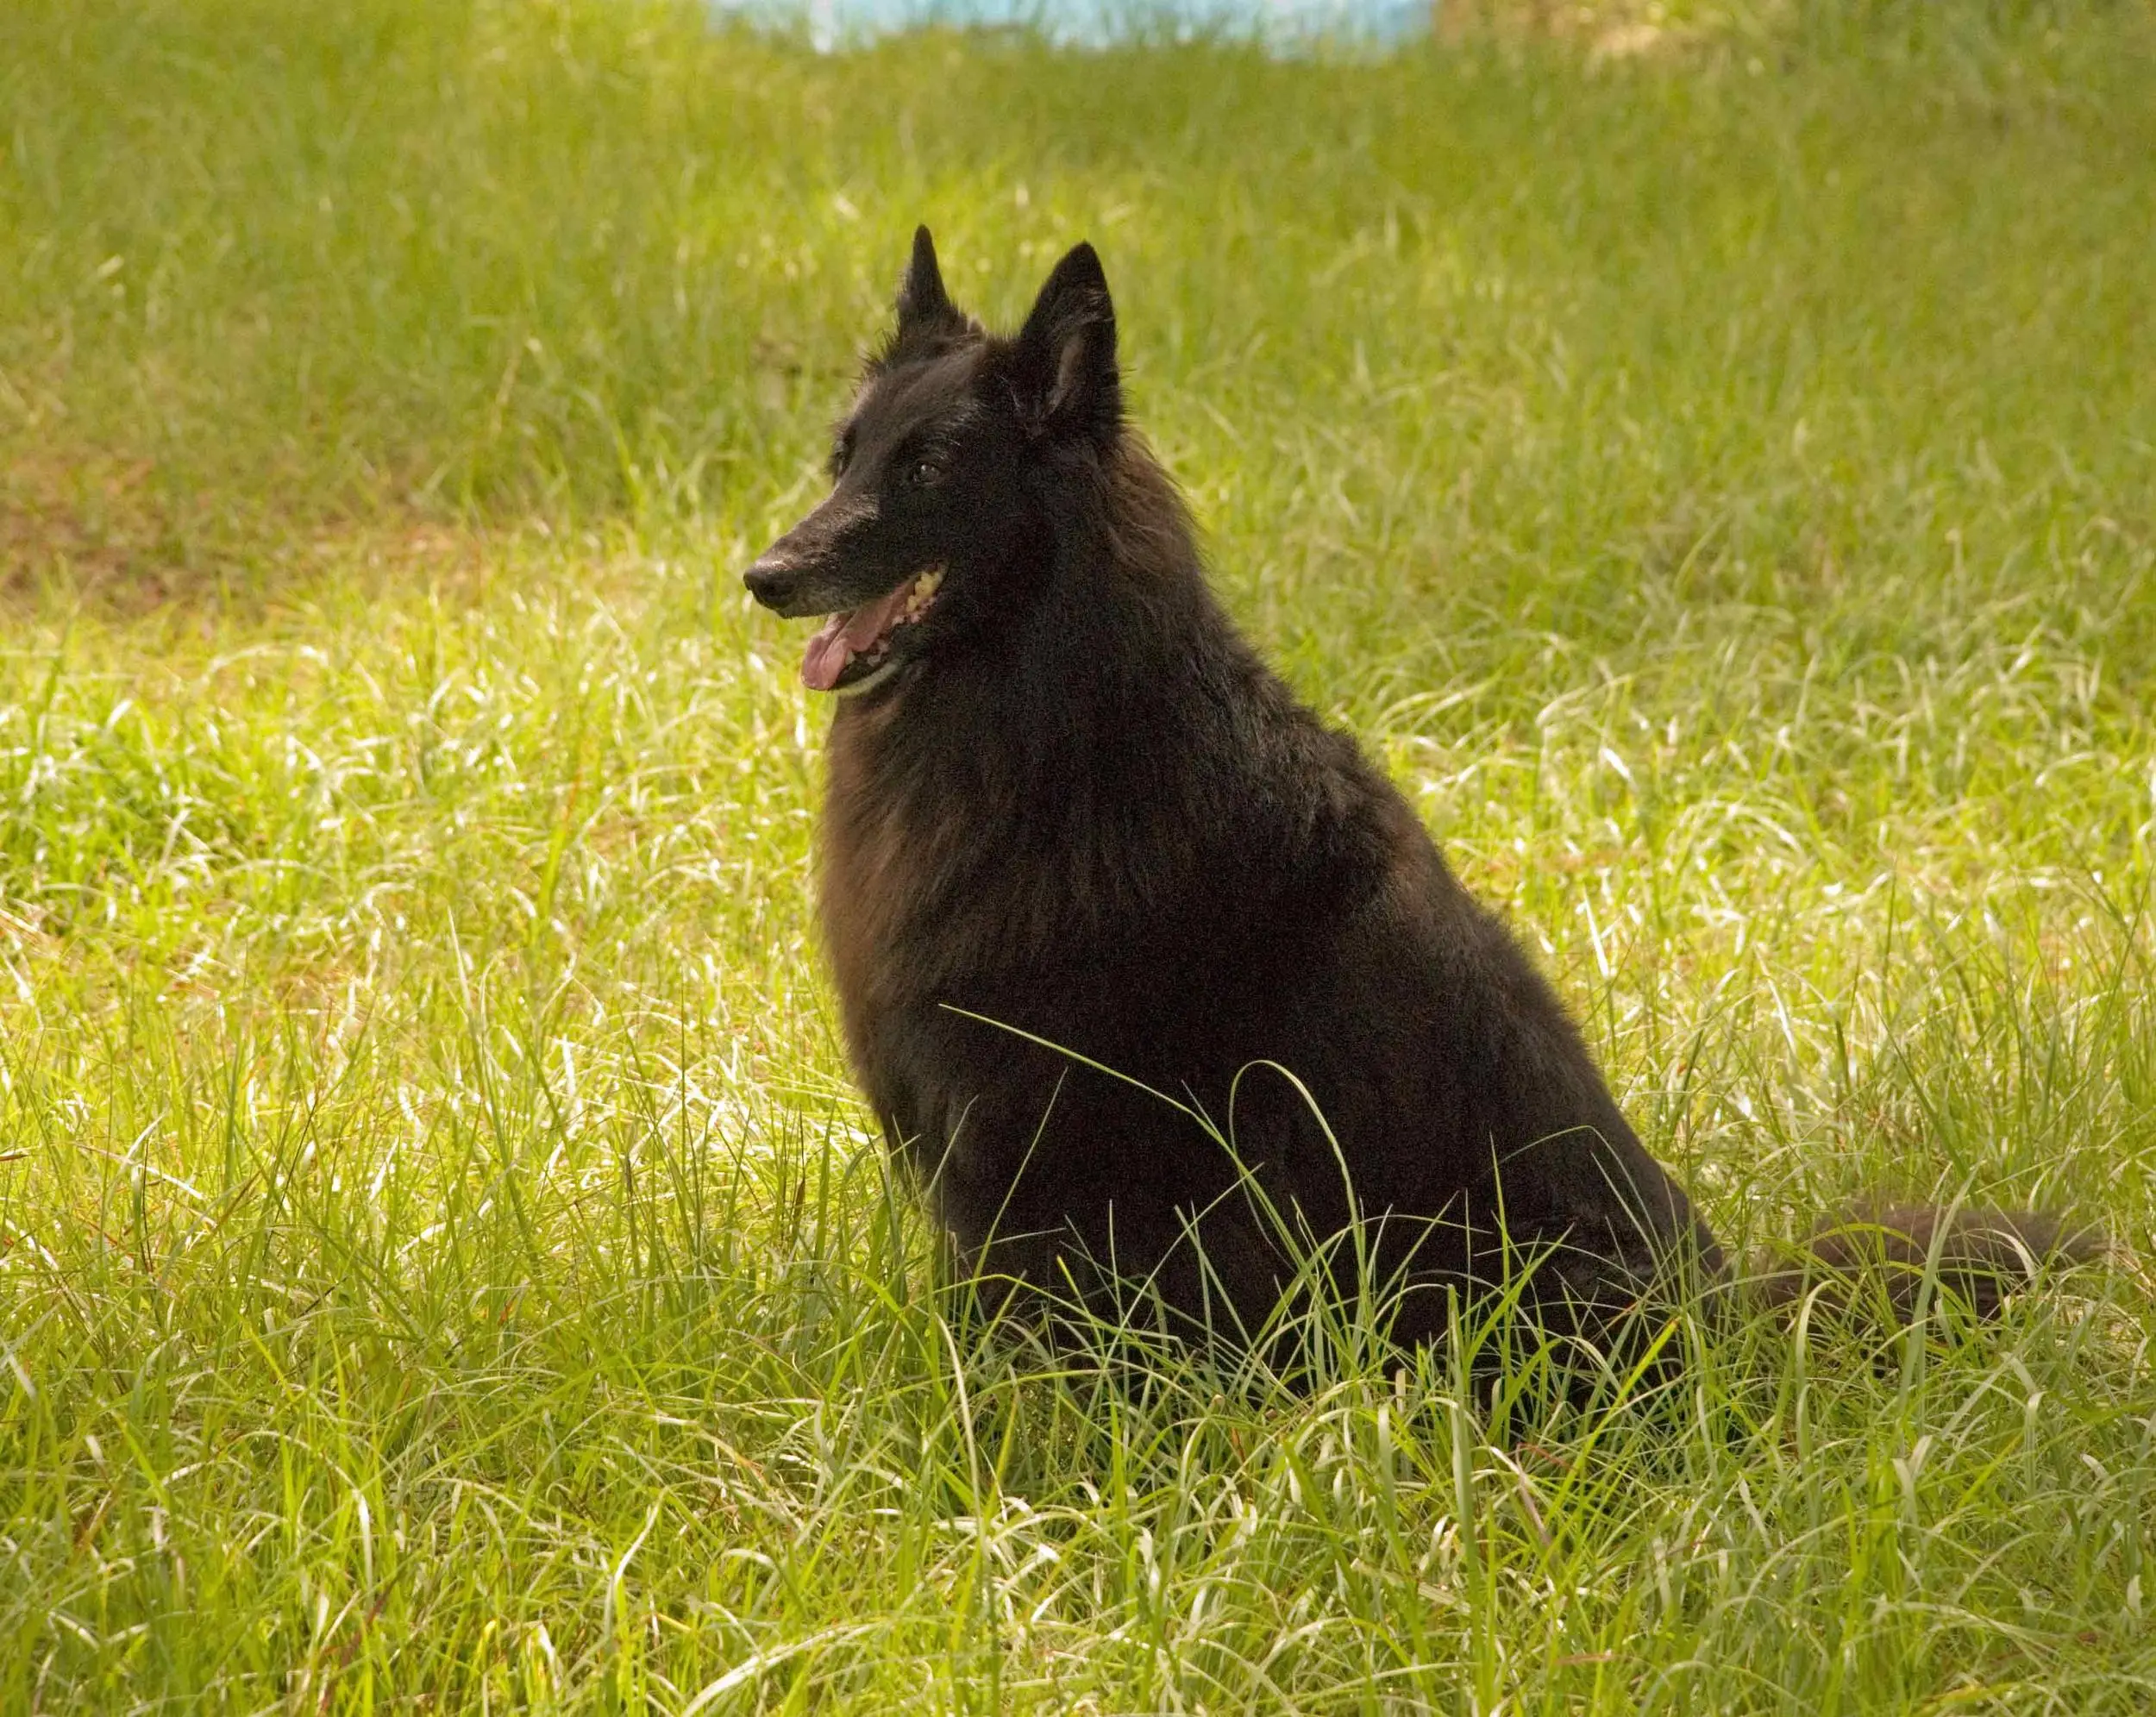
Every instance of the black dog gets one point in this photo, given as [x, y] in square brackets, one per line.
[1094, 885]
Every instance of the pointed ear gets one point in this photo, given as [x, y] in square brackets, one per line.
[1068, 382]
[922, 304]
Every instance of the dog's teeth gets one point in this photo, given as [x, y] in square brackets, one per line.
[923, 593]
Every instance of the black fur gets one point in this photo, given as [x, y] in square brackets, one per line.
[1081, 808]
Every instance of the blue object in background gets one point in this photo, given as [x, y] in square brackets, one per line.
[1280, 24]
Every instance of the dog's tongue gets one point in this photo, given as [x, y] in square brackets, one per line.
[828, 654]
[845, 635]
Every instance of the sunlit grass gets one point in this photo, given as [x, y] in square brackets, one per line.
[441, 1260]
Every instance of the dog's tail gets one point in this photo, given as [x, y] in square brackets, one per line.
[1878, 1258]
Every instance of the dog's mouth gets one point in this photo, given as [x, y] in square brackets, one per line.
[854, 646]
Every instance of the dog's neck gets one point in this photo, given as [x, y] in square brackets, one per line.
[1108, 752]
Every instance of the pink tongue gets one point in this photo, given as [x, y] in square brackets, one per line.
[827, 655]
[845, 635]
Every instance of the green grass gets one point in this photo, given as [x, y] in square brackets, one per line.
[442, 1263]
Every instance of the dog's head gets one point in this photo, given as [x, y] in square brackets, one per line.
[936, 513]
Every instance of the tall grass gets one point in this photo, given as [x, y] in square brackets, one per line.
[442, 1263]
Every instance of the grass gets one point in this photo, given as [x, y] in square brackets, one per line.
[442, 1263]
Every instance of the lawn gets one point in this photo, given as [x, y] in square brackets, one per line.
[443, 1263]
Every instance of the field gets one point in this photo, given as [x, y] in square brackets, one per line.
[443, 1264]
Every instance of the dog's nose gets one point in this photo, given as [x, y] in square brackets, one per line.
[767, 580]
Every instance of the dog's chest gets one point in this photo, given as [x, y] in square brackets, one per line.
[903, 904]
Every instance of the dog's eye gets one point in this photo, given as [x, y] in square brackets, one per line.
[924, 473]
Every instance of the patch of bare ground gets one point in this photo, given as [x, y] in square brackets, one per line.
[1605, 29]
[106, 532]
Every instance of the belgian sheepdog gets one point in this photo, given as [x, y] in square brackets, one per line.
[1148, 975]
